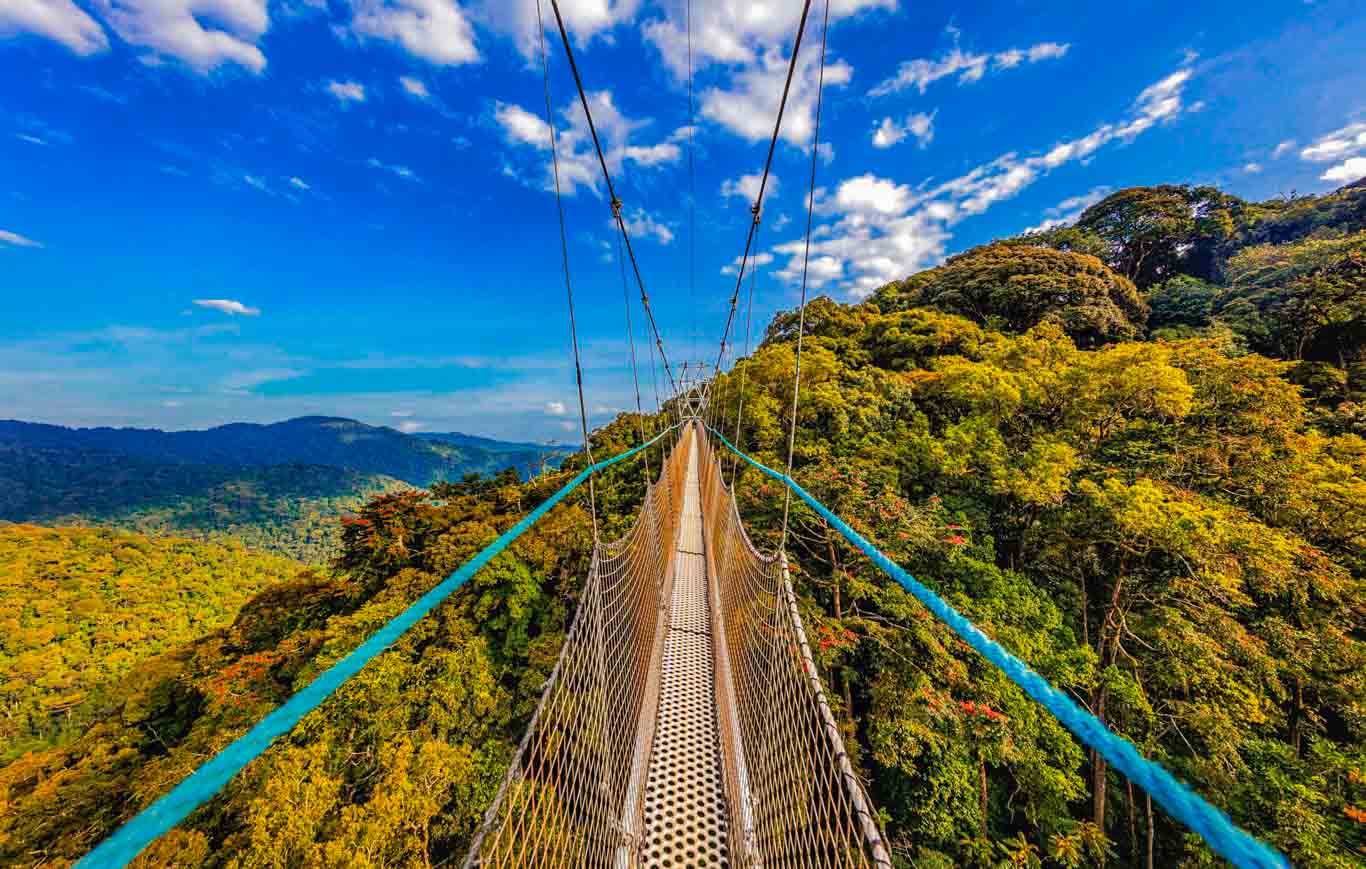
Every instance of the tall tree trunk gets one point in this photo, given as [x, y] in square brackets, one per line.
[1107, 641]
[1150, 829]
[982, 789]
[1133, 822]
[836, 572]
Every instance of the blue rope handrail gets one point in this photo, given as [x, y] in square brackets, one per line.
[1216, 828]
[201, 785]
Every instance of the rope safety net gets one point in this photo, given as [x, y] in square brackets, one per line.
[794, 797]
[571, 796]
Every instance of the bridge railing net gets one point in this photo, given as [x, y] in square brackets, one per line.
[794, 797]
[570, 797]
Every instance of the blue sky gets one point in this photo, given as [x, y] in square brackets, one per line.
[216, 210]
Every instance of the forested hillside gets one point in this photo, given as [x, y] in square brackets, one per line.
[289, 510]
[1130, 450]
[308, 440]
[279, 488]
[79, 608]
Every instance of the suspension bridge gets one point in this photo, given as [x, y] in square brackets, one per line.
[685, 722]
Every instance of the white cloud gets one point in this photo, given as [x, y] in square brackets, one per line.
[59, 20]
[917, 124]
[584, 19]
[556, 408]
[748, 105]
[347, 91]
[256, 183]
[743, 45]
[921, 72]
[176, 29]
[521, 126]
[870, 194]
[1252, 168]
[1338, 144]
[747, 187]
[882, 230]
[1282, 148]
[1067, 211]
[410, 426]
[1349, 170]
[14, 238]
[414, 87]
[401, 171]
[757, 260]
[577, 157]
[299, 183]
[436, 31]
[640, 224]
[653, 155]
[228, 306]
[737, 33]
[32, 140]
[401, 414]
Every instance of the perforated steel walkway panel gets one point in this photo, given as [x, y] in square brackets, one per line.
[685, 804]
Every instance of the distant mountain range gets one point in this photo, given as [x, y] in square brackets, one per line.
[308, 440]
[277, 487]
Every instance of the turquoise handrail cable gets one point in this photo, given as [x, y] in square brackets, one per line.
[201, 785]
[1216, 828]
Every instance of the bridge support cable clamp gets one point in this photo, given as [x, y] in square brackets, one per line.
[1227, 839]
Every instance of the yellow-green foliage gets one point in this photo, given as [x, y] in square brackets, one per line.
[80, 607]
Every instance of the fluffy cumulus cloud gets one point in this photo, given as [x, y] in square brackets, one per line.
[59, 20]
[228, 306]
[203, 34]
[1283, 148]
[578, 162]
[917, 124]
[16, 240]
[744, 45]
[556, 408]
[347, 91]
[876, 230]
[437, 31]
[967, 66]
[1346, 146]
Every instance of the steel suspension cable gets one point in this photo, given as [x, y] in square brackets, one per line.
[564, 257]
[749, 334]
[654, 382]
[692, 196]
[631, 342]
[611, 189]
[757, 207]
[806, 260]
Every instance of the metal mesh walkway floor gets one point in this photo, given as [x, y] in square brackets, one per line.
[685, 804]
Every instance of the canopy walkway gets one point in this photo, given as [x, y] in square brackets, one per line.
[684, 724]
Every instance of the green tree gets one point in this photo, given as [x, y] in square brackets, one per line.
[1014, 287]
